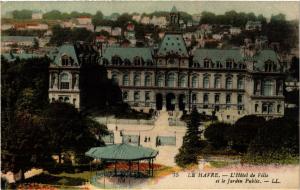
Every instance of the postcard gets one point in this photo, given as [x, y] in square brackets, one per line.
[150, 95]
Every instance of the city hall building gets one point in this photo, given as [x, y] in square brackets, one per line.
[229, 82]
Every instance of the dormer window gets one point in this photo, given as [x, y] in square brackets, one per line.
[65, 60]
[116, 60]
[206, 63]
[229, 64]
[270, 66]
[219, 65]
[137, 61]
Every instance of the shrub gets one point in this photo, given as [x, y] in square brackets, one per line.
[215, 134]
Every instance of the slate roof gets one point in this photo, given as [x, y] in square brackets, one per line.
[121, 152]
[222, 55]
[172, 43]
[17, 38]
[66, 49]
[127, 53]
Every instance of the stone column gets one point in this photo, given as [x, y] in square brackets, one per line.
[50, 80]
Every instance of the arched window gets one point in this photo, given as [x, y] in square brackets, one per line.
[125, 80]
[116, 60]
[206, 82]
[219, 65]
[217, 82]
[137, 80]
[269, 66]
[182, 81]
[115, 78]
[256, 107]
[171, 61]
[240, 83]
[194, 82]
[147, 96]
[125, 95]
[229, 83]
[147, 80]
[64, 81]
[217, 98]
[160, 81]
[267, 88]
[171, 80]
[194, 98]
[67, 99]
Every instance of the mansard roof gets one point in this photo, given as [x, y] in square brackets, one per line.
[128, 53]
[66, 49]
[222, 55]
[173, 44]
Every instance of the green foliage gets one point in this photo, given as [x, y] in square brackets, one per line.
[22, 14]
[57, 15]
[244, 131]
[62, 35]
[215, 134]
[279, 136]
[230, 18]
[191, 145]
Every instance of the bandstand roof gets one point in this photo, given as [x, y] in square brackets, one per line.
[121, 152]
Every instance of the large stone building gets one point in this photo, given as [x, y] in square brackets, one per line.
[229, 82]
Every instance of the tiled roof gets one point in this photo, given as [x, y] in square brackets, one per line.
[128, 53]
[173, 43]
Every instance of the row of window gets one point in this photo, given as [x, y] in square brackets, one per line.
[136, 96]
[171, 81]
[64, 99]
[267, 88]
[207, 63]
[137, 61]
[217, 98]
[267, 108]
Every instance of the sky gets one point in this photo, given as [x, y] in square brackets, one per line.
[267, 8]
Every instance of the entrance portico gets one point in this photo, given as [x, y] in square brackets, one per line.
[171, 101]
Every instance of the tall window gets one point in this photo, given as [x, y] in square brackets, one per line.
[229, 83]
[269, 66]
[136, 96]
[137, 61]
[147, 96]
[127, 62]
[278, 108]
[267, 88]
[256, 107]
[105, 61]
[217, 98]
[115, 79]
[171, 80]
[240, 99]
[64, 60]
[147, 80]
[160, 81]
[217, 82]
[137, 80]
[228, 98]
[206, 82]
[64, 81]
[194, 98]
[219, 65]
[229, 64]
[240, 83]
[279, 88]
[205, 98]
[182, 81]
[206, 63]
[194, 82]
[116, 60]
[126, 80]
[267, 108]
[125, 95]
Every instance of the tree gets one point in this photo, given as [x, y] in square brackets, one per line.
[191, 145]
[69, 130]
[22, 14]
[244, 131]
[97, 18]
[215, 134]
[278, 138]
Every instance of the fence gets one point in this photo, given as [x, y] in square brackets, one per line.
[104, 120]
